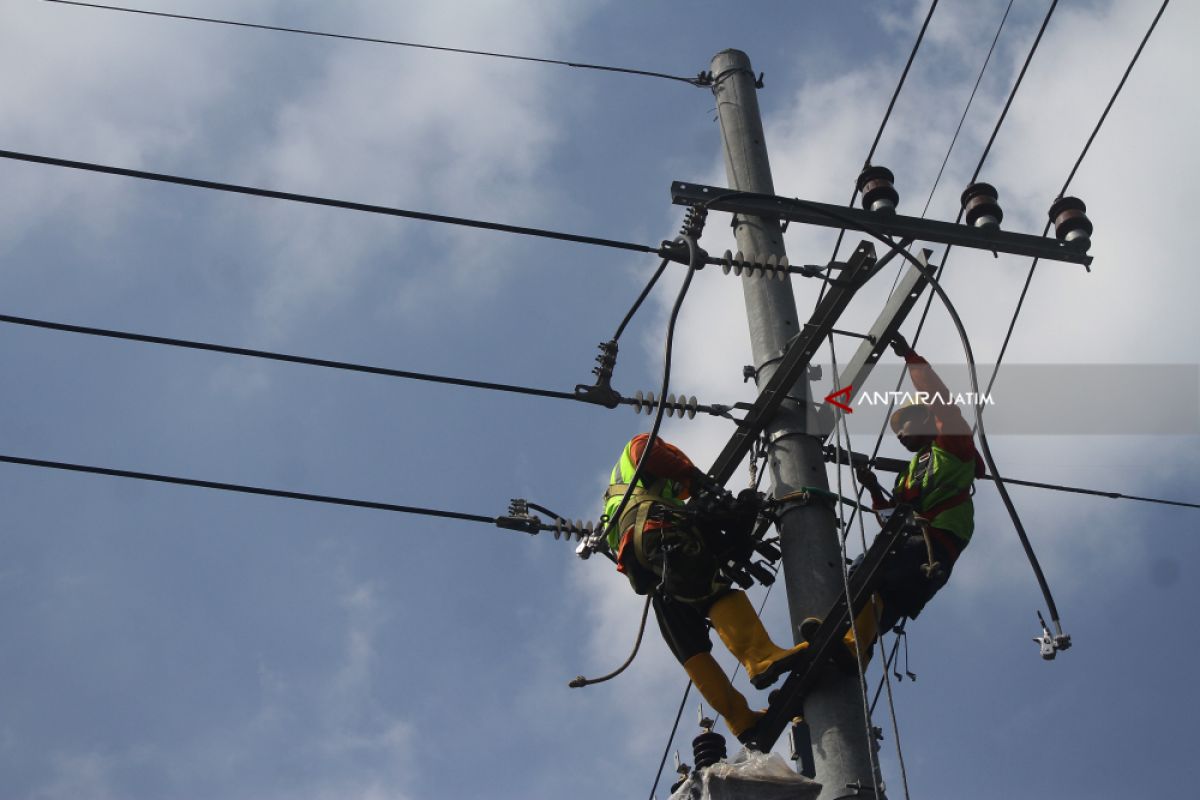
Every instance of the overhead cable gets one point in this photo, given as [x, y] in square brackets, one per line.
[887, 115]
[326, 201]
[638, 402]
[1071, 176]
[946, 254]
[700, 80]
[243, 489]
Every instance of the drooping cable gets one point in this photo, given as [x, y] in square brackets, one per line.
[1071, 176]
[694, 259]
[602, 531]
[929, 275]
[670, 739]
[697, 81]
[326, 201]
[640, 299]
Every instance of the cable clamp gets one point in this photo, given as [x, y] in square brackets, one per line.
[601, 393]
[678, 252]
[1051, 643]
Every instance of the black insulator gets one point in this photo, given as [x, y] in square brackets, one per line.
[707, 749]
[980, 202]
[1071, 223]
[877, 189]
[768, 550]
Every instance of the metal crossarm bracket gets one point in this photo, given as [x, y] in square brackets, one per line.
[859, 269]
[787, 702]
[716, 198]
[895, 311]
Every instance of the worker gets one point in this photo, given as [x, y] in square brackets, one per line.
[937, 484]
[674, 556]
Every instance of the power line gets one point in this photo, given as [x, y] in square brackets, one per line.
[243, 489]
[326, 201]
[1071, 176]
[700, 80]
[887, 115]
[946, 254]
[682, 405]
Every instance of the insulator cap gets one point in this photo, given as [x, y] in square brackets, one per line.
[1071, 223]
[980, 202]
[877, 189]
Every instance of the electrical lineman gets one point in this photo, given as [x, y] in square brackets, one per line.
[938, 484]
[675, 555]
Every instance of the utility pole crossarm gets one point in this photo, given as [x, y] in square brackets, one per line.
[895, 311]
[861, 266]
[716, 198]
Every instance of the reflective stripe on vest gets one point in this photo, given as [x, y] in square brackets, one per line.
[659, 491]
[943, 482]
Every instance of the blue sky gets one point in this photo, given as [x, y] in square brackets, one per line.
[167, 642]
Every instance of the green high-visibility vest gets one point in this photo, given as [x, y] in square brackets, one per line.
[942, 478]
[659, 490]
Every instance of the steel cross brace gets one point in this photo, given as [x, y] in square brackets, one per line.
[861, 266]
[786, 703]
[769, 206]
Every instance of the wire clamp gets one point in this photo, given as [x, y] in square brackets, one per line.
[678, 252]
[1051, 643]
[601, 393]
[519, 518]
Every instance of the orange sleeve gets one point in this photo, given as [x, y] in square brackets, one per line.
[665, 460]
[954, 434]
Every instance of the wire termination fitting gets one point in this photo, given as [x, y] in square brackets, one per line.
[1071, 224]
[602, 393]
[876, 184]
[980, 202]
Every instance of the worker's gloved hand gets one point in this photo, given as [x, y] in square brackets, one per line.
[867, 478]
[900, 345]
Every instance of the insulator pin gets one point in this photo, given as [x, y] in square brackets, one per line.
[979, 201]
[876, 184]
[1071, 223]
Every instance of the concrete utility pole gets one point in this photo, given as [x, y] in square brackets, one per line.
[812, 559]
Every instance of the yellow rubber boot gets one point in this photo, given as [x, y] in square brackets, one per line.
[718, 692]
[740, 629]
[866, 625]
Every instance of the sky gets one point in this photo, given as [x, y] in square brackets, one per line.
[174, 642]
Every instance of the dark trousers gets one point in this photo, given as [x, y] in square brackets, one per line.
[904, 586]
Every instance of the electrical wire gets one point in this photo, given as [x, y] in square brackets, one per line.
[978, 167]
[693, 262]
[1071, 176]
[243, 489]
[284, 357]
[700, 80]
[844, 429]
[326, 201]
[671, 738]
[640, 298]
[986, 449]
[876, 774]
[887, 115]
